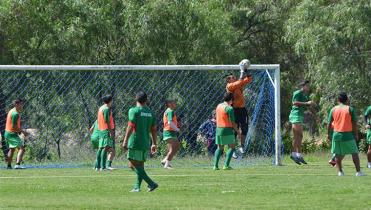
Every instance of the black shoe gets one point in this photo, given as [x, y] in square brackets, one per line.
[153, 187]
[9, 167]
[295, 159]
[301, 159]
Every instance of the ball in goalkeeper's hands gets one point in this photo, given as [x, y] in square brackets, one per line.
[245, 64]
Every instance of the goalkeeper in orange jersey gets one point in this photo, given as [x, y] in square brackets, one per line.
[236, 87]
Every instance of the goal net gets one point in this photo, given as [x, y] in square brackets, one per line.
[61, 104]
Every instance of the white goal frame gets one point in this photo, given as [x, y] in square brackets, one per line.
[265, 67]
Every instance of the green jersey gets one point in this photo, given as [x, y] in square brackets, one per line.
[142, 120]
[368, 115]
[95, 133]
[297, 112]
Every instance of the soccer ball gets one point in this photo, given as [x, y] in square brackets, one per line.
[245, 63]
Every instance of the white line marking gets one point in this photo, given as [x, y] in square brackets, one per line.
[159, 175]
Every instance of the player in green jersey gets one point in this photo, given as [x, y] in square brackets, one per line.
[12, 131]
[343, 119]
[140, 137]
[106, 132]
[368, 138]
[300, 100]
[170, 134]
[94, 138]
[226, 128]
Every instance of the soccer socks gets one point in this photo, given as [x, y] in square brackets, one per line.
[228, 157]
[138, 183]
[141, 173]
[218, 154]
[104, 158]
[98, 159]
[109, 163]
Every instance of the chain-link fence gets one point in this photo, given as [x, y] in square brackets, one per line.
[60, 106]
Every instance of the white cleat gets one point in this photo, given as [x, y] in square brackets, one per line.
[111, 168]
[19, 167]
[360, 174]
[135, 190]
[369, 165]
[235, 156]
[241, 150]
[340, 173]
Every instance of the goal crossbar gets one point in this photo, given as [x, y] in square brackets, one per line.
[133, 67]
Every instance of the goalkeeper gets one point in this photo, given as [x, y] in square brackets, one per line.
[236, 87]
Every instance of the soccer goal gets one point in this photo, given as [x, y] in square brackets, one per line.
[61, 103]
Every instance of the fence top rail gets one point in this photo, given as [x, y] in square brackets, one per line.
[133, 67]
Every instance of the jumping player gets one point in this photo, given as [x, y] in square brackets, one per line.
[344, 120]
[106, 128]
[12, 132]
[236, 87]
[141, 128]
[300, 100]
[368, 138]
[170, 134]
[225, 131]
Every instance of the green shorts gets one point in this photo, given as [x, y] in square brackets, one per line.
[225, 140]
[105, 139]
[368, 138]
[344, 147]
[173, 135]
[94, 140]
[295, 119]
[13, 140]
[138, 155]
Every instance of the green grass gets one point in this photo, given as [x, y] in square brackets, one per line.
[314, 186]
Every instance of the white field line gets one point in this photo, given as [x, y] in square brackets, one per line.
[160, 175]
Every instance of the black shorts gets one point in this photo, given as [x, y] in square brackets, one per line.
[242, 119]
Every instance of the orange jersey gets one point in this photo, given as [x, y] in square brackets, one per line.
[222, 118]
[103, 112]
[237, 89]
[169, 115]
[12, 118]
[342, 119]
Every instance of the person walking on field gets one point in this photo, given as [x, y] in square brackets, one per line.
[12, 131]
[345, 134]
[300, 102]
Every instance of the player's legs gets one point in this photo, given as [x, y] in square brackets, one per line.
[10, 157]
[138, 167]
[20, 155]
[297, 130]
[105, 151]
[98, 160]
[173, 147]
[296, 156]
[229, 156]
[369, 156]
[217, 155]
[111, 155]
[356, 162]
[339, 166]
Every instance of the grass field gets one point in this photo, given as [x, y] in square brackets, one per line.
[314, 186]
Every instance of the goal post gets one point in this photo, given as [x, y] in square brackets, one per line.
[70, 95]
